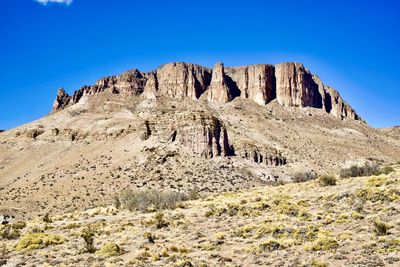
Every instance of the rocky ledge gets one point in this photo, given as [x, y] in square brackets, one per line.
[291, 84]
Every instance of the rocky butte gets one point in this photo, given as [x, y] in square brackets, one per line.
[291, 84]
[183, 127]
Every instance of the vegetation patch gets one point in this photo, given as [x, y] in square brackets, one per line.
[322, 243]
[109, 250]
[367, 169]
[150, 199]
[327, 180]
[8, 232]
[36, 241]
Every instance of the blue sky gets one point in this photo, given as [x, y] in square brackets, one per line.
[352, 45]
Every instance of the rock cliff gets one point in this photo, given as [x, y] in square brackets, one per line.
[291, 84]
[219, 91]
[255, 82]
[180, 80]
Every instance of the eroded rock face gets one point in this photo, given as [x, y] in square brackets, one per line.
[62, 100]
[219, 91]
[295, 86]
[255, 82]
[151, 86]
[204, 135]
[290, 83]
[261, 155]
[181, 80]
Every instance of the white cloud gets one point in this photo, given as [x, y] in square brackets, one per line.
[45, 2]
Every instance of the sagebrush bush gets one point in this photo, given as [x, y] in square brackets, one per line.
[301, 177]
[327, 180]
[151, 199]
[367, 169]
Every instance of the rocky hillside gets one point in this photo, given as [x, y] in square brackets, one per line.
[183, 127]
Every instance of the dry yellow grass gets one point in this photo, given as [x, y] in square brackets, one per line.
[294, 224]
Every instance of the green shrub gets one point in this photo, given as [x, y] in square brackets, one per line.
[327, 180]
[150, 199]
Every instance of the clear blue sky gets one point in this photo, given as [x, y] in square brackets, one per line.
[354, 46]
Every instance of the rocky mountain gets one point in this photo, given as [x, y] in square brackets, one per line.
[290, 83]
[184, 127]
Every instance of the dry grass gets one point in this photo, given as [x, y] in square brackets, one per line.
[304, 224]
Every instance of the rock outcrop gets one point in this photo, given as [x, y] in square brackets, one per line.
[295, 86]
[62, 100]
[202, 134]
[291, 84]
[151, 86]
[255, 82]
[181, 80]
[219, 91]
[263, 155]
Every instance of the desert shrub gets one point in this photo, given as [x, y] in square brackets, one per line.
[46, 218]
[71, 226]
[380, 227]
[159, 220]
[88, 235]
[301, 177]
[150, 199]
[3, 255]
[9, 232]
[110, 250]
[150, 237]
[317, 263]
[327, 180]
[18, 225]
[367, 169]
[323, 243]
[270, 245]
[35, 241]
[387, 169]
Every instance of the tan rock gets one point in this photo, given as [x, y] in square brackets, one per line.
[255, 82]
[151, 86]
[218, 91]
[62, 100]
[295, 86]
[181, 80]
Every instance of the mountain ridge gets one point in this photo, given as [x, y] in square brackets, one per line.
[289, 82]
